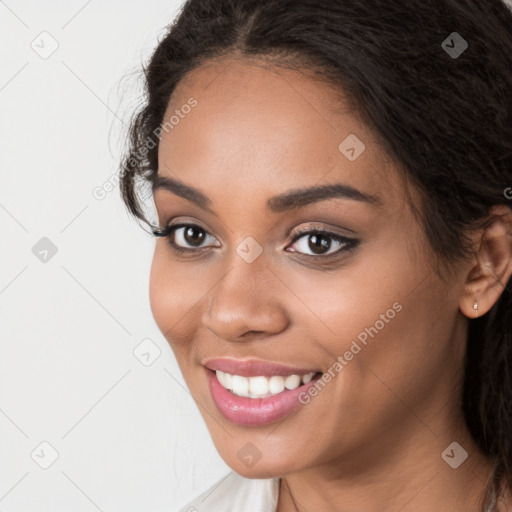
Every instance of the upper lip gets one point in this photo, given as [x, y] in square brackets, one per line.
[254, 367]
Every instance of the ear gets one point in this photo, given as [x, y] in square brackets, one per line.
[488, 277]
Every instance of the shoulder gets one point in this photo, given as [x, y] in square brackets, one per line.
[234, 493]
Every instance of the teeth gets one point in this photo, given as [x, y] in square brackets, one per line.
[292, 382]
[276, 384]
[260, 387]
[307, 378]
[240, 384]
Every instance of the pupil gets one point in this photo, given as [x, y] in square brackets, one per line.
[319, 242]
[194, 240]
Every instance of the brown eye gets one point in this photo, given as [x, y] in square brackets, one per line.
[321, 243]
[184, 238]
[188, 236]
[193, 236]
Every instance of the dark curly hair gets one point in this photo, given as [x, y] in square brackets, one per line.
[445, 118]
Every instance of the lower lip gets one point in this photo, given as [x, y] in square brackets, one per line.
[253, 412]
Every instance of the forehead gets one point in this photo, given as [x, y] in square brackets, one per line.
[268, 129]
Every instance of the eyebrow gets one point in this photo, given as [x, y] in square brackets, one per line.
[292, 199]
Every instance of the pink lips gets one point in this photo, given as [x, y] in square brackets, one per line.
[254, 367]
[254, 411]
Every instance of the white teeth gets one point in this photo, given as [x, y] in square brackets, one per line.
[260, 387]
[292, 382]
[240, 385]
[222, 378]
[306, 378]
[276, 384]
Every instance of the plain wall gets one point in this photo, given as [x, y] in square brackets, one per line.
[128, 436]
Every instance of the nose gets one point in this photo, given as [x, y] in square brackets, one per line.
[246, 303]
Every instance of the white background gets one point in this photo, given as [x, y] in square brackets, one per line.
[128, 436]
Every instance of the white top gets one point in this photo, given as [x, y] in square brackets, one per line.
[234, 493]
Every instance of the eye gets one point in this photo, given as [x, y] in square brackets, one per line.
[191, 238]
[185, 237]
[321, 242]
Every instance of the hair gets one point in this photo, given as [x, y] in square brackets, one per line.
[447, 120]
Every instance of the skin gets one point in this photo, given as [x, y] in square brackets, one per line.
[372, 438]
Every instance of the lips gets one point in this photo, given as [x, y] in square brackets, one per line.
[255, 412]
[255, 367]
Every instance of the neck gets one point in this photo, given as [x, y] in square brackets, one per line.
[413, 478]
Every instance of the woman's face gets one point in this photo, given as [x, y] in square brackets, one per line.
[366, 310]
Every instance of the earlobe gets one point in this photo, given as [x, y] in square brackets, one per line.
[475, 307]
[471, 306]
[493, 267]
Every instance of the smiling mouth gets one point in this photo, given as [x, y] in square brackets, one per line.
[262, 386]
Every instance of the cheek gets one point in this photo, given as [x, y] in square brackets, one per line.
[340, 305]
[175, 297]
[392, 328]
[381, 315]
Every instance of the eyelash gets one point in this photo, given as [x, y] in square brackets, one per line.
[349, 243]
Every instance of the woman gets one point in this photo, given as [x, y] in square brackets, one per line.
[332, 181]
